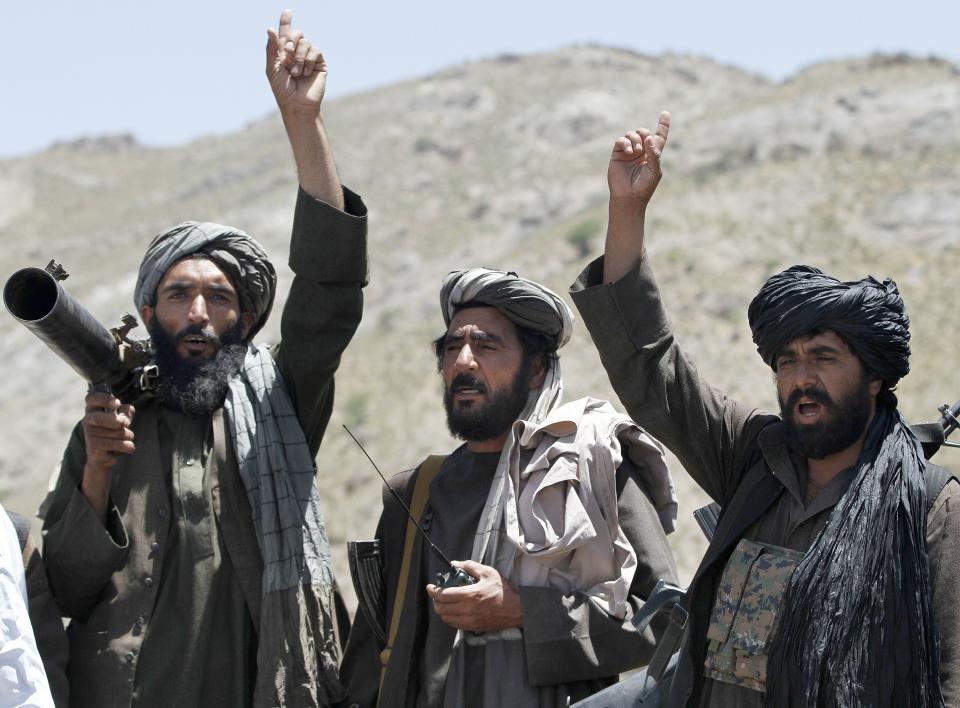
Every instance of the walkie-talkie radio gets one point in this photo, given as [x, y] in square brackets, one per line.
[454, 577]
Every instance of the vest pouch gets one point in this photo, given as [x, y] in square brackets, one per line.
[745, 613]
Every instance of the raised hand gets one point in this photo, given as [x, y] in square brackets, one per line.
[295, 67]
[634, 169]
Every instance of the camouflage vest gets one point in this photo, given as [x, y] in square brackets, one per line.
[745, 613]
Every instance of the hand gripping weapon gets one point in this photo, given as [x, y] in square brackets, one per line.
[108, 359]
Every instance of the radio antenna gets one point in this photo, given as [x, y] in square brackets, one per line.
[402, 503]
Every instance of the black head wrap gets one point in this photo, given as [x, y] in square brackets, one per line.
[856, 626]
[867, 314]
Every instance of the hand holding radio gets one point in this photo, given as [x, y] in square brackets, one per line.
[489, 604]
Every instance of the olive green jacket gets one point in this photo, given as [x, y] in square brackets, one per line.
[106, 577]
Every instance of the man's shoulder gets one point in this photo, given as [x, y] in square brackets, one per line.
[939, 481]
[404, 480]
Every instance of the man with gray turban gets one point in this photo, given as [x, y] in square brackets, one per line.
[185, 538]
[831, 578]
[557, 512]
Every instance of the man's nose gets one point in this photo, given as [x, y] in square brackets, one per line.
[805, 376]
[198, 311]
[465, 360]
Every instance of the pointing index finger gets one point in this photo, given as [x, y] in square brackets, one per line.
[286, 21]
[663, 128]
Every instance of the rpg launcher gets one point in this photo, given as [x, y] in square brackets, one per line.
[108, 359]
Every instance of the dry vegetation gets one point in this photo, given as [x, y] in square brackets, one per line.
[853, 166]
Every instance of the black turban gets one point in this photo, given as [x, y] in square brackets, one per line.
[856, 622]
[868, 315]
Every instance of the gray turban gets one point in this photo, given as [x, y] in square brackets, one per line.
[233, 251]
[869, 315]
[525, 303]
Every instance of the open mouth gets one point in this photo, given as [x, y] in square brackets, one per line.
[469, 390]
[808, 409]
[195, 344]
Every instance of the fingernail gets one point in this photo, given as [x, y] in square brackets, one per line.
[289, 46]
[295, 71]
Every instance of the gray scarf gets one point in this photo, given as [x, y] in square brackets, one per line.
[297, 653]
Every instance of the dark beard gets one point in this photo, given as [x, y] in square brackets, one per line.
[196, 386]
[475, 423]
[841, 428]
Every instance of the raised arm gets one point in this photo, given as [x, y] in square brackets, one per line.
[632, 176]
[297, 73]
[328, 245]
[620, 304]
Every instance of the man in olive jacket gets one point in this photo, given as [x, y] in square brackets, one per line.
[837, 479]
[184, 537]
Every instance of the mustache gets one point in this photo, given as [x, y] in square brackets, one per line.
[817, 395]
[465, 380]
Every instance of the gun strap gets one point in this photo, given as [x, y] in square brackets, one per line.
[429, 469]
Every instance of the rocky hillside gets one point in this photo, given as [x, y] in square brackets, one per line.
[851, 166]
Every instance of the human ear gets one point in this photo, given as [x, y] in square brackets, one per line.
[146, 314]
[539, 373]
[248, 319]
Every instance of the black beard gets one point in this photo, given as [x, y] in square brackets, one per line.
[475, 423]
[193, 385]
[841, 428]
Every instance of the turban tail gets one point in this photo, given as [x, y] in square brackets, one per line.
[856, 626]
[237, 254]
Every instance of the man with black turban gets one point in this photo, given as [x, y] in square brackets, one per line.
[559, 513]
[185, 538]
[831, 577]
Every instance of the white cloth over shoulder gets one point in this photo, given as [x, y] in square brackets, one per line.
[23, 682]
[555, 523]
[561, 526]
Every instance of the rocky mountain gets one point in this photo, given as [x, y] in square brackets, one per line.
[852, 166]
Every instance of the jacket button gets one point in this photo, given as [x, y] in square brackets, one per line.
[148, 581]
[189, 462]
[129, 657]
[162, 513]
[155, 547]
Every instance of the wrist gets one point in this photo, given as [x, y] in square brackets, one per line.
[297, 113]
[628, 205]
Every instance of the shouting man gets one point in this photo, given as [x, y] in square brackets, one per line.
[184, 538]
[560, 509]
[830, 579]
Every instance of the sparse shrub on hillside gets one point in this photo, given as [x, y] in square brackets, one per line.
[580, 236]
[354, 409]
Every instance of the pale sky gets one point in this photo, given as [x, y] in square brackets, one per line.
[172, 70]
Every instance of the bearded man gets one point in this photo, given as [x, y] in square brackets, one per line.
[560, 509]
[184, 537]
[831, 578]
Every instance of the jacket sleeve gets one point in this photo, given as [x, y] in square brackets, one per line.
[943, 549]
[328, 257]
[81, 552]
[47, 624]
[659, 386]
[568, 638]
